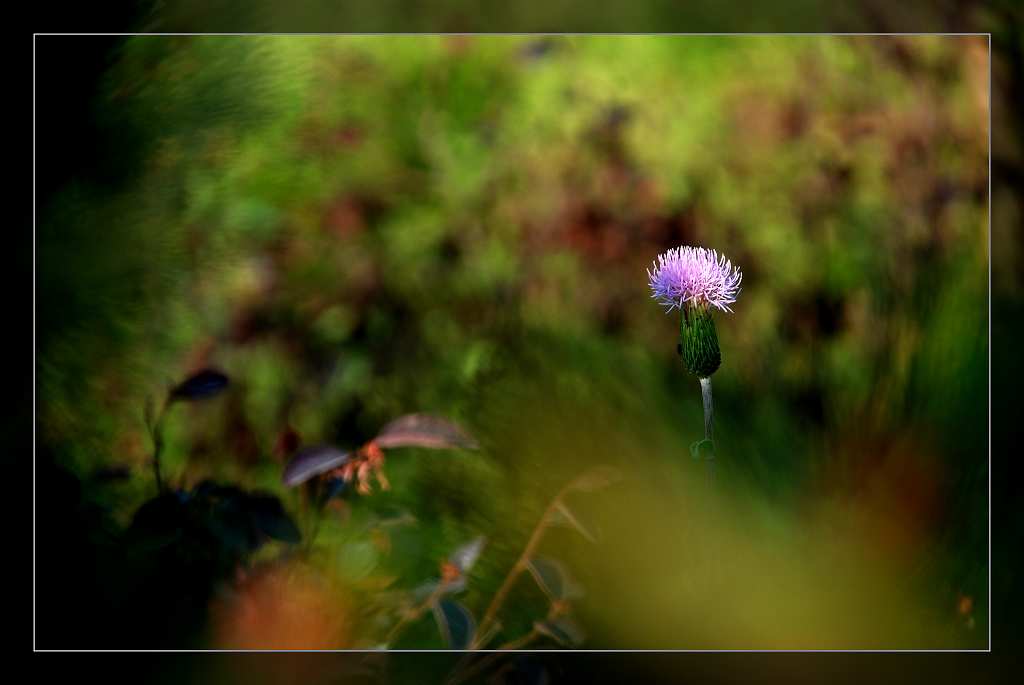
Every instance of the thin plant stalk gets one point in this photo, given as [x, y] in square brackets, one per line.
[517, 568]
[463, 671]
[709, 421]
[157, 434]
[489, 659]
[413, 614]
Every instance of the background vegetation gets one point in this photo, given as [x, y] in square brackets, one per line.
[355, 228]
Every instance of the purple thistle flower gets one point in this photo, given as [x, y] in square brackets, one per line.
[695, 276]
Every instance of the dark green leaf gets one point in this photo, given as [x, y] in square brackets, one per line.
[455, 623]
[210, 489]
[159, 521]
[272, 520]
[229, 521]
[205, 383]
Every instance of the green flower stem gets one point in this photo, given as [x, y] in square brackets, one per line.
[709, 421]
[698, 347]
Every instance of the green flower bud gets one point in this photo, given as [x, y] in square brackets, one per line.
[698, 341]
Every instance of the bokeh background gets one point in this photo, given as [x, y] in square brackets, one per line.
[355, 228]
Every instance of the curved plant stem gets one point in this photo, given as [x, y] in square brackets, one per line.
[413, 614]
[517, 568]
[709, 420]
[486, 661]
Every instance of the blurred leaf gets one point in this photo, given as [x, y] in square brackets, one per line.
[205, 383]
[312, 461]
[562, 515]
[454, 587]
[563, 630]
[158, 522]
[402, 518]
[272, 520]
[464, 557]
[228, 519]
[553, 579]
[595, 479]
[455, 623]
[421, 592]
[357, 559]
[422, 430]
[211, 489]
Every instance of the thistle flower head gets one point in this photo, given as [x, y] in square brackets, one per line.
[694, 276]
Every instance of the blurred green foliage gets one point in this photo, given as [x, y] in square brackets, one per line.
[359, 227]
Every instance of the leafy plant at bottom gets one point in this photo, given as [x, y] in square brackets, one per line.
[456, 622]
